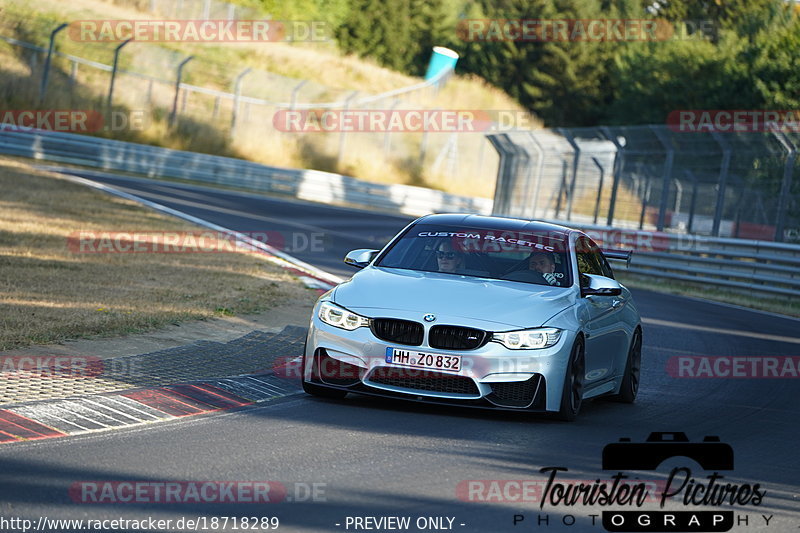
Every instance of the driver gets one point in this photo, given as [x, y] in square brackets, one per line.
[448, 259]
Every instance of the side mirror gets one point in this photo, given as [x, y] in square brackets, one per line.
[360, 258]
[592, 284]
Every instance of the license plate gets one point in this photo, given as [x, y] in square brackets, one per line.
[431, 361]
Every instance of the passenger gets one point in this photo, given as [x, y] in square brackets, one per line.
[545, 264]
[449, 260]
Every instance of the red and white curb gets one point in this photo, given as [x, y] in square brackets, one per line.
[62, 418]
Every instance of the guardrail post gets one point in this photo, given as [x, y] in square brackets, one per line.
[786, 183]
[599, 189]
[178, 78]
[343, 132]
[723, 181]
[48, 59]
[117, 50]
[237, 94]
[667, 174]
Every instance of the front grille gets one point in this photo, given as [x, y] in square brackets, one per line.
[335, 372]
[399, 331]
[456, 338]
[423, 380]
[514, 394]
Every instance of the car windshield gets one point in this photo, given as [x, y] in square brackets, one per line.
[540, 258]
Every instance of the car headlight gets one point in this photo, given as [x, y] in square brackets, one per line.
[340, 317]
[528, 339]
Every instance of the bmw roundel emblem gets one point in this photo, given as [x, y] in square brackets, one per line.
[430, 317]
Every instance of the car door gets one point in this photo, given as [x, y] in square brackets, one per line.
[601, 315]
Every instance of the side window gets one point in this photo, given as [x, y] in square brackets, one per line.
[589, 258]
[606, 267]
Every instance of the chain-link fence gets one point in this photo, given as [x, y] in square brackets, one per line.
[232, 107]
[650, 177]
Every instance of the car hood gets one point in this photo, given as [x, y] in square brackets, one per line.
[479, 300]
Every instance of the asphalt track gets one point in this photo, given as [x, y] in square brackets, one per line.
[381, 458]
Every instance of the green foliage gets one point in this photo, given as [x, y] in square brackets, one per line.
[724, 54]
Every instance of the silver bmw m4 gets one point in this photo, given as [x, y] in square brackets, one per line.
[479, 311]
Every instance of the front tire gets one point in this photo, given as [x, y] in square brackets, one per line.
[572, 394]
[629, 387]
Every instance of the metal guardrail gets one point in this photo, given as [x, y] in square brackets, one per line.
[760, 266]
[155, 162]
[768, 267]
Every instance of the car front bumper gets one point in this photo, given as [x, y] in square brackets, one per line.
[491, 376]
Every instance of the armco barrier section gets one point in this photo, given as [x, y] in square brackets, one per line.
[755, 266]
[759, 266]
[155, 162]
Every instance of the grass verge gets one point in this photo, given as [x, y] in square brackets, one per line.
[768, 302]
[49, 293]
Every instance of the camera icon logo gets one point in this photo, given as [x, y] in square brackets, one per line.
[710, 454]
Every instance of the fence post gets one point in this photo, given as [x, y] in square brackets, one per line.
[539, 171]
[693, 203]
[645, 200]
[237, 94]
[723, 180]
[387, 146]
[665, 179]
[343, 132]
[178, 78]
[786, 183]
[619, 159]
[599, 189]
[46, 73]
[117, 50]
[575, 160]
[295, 91]
[561, 187]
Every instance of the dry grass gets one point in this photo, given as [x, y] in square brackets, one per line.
[49, 293]
[332, 76]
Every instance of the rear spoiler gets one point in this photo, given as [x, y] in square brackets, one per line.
[619, 255]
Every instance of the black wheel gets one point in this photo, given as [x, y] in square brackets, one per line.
[572, 395]
[633, 369]
[316, 390]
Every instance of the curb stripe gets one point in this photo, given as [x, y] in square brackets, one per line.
[209, 397]
[136, 407]
[156, 399]
[22, 428]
